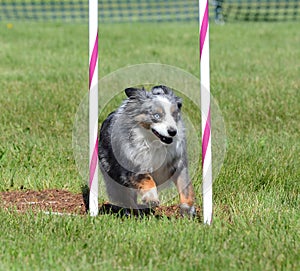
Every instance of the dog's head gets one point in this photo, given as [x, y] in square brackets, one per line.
[157, 111]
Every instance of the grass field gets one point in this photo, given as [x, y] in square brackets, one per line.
[255, 79]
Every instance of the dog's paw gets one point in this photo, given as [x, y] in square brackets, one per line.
[150, 198]
[187, 211]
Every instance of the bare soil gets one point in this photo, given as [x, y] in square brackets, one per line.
[65, 202]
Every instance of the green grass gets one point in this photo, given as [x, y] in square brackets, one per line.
[255, 79]
[39, 242]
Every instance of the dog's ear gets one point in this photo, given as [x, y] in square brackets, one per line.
[131, 92]
[161, 89]
[179, 102]
[135, 93]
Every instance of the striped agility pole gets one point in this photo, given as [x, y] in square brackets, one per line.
[205, 112]
[93, 107]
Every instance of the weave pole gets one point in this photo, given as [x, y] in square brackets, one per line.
[93, 107]
[205, 112]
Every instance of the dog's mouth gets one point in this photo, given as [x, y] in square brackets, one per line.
[164, 139]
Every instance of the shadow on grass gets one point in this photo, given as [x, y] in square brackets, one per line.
[107, 208]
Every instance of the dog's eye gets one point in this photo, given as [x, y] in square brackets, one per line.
[156, 116]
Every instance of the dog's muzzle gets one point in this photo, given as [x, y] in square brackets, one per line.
[164, 139]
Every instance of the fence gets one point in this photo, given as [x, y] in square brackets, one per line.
[119, 11]
[261, 10]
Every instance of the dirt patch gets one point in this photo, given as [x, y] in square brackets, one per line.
[52, 200]
[62, 201]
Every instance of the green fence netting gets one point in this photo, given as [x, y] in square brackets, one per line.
[118, 11]
[261, 10]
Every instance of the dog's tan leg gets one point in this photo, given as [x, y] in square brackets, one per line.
[186, 193]
[147, 188]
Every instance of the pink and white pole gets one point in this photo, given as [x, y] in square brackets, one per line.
[93, 107]
[205, 112]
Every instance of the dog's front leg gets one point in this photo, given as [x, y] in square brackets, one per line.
[147, 189]
[186, 193]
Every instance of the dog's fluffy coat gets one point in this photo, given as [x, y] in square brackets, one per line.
[142, 146]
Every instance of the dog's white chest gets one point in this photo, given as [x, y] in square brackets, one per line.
[150, 154]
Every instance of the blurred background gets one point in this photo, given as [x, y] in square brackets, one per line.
[119, 11]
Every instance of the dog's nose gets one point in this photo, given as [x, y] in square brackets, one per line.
[172, 132]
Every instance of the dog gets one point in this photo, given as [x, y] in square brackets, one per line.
[142, 146]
